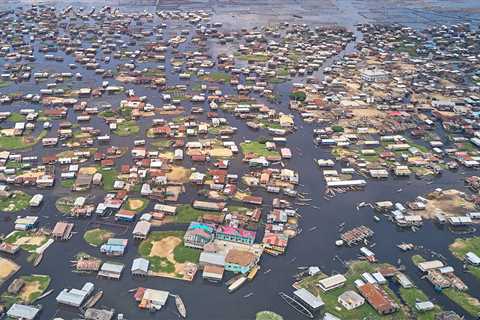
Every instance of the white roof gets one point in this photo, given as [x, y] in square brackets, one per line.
[309, 298]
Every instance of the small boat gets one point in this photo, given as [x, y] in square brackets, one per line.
[233, 279]
[267, 271]
[47, 293]
[93, 300]
[253, 272]
[237, 284]
[132, 290]
[313, 228]
[38, 260]
[248, 295]
[376, 218]
[180, 306]
[296, 305]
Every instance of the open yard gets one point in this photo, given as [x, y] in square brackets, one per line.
[186, 214]
[412, 296]
[137, 204]
[257, 148]
[330, 298]
[34, 286]
[464, 300]
[20, 142]
[126, 128]
[28, 241]
[461, 246]
[7, 269]
[178, 174]
[18, 201]
[97, 237]
[167, 254]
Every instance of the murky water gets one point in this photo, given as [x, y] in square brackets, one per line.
[208, 301]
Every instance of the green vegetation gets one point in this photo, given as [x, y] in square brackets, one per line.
[258, 148]
[67, 183]
[217, 77]
[107, 114]
[20, 142]
[136, 204]
[416, 259]
[411, 296]
[257, 57]
[186, 213]
[460, 247]
[298, 96]
[184, 254]
[464, 300]
[16, 117]
[4, 84]
[337, 128]
[65, 204]
[181, 254]
[18, 201]
[28, 241]
[127, 128]
[330, 298]
[109, 175]
[97, 237]
[35, 285]
[268, 315]
[162, 144]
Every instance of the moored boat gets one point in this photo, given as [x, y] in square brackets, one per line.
[180, 306]
[237, 284]
[300, 308]
[253, 272]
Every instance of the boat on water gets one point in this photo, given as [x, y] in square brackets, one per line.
[47, 293]
[38, 260]
[93, 300]
[248, 295]
[253, 272]
[376, 218]
[233, 279]
[300, 308]
[237, 284]
[180, 306]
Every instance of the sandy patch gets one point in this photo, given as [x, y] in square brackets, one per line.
[178, 174]
[135, 204]
[28, 289]
[87, 170]
[7, 268]
[221, 153]
[450, 202]
[30, 240]
[164, 248]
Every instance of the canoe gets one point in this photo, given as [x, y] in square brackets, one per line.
[180, 306]
[300, 308]
[93, 300]
[37, 260]
[253, 272]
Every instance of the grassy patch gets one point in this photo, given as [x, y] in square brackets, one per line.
[67, 183]
[16, 117]
[464, 300]
[258, 57]
[330, 298]
[109, 175]
[217, 77]
[184, 254]
[97, 237]
[186, 214]
[18, 201]
[127, 128]
[460, 247]
[411, 296]
[268, 315]
[416, 259]
[162, 144]
[35, 285]
[137, 204]
[28, 241]
[20, 142]
[181, 254]
[257, 148]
